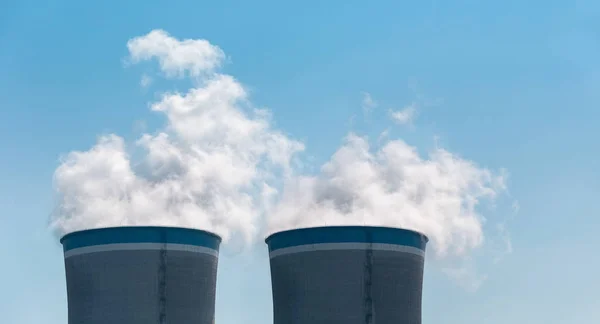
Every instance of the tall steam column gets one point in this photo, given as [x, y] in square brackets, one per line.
[141, 275]
[347, 274]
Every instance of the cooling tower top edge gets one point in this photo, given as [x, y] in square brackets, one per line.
[140, 234]
[346, 234]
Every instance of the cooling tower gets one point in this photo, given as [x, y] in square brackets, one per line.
[141, 275]
[347, 275]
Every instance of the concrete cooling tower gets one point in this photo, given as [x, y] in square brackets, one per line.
[347, 275]
[141, 275]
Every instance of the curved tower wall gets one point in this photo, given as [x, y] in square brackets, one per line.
[141, 275]
[347, 275]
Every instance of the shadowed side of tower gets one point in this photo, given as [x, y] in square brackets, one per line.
[347, 274]
[141, 275]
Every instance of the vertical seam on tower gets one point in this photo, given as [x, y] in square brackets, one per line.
[162, 280]
[368, 276]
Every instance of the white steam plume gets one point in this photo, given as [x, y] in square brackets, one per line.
[211, 167]
[217, 163]
[368, 103]
[196, 56]
[393, 186]
[405, 115]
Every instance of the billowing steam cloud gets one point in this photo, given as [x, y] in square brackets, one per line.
[393, 186]
[209, 168]
[218, 165]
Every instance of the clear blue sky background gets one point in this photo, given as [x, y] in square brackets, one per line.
[518, 84]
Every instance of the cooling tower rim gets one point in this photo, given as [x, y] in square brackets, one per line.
[319, 235]
[115, 235]
[301, 229]
[99, 229]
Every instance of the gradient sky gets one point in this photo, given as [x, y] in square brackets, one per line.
[508, 84]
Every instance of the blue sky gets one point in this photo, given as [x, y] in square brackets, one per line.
[507, 84]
